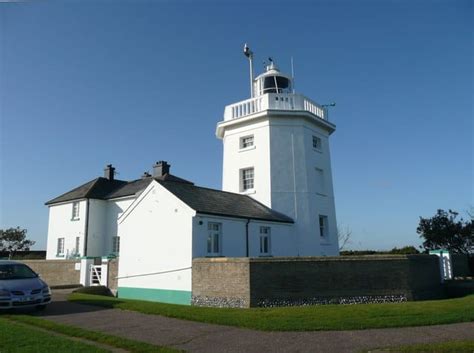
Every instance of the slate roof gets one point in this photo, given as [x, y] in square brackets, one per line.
[202, 200]
[105, 189]
[222, 203]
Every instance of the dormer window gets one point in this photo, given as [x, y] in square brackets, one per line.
[75, 211]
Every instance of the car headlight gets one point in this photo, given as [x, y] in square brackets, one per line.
[4, 293]
[46, 290]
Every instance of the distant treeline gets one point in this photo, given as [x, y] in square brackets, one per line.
[406, 250]
[25, 255]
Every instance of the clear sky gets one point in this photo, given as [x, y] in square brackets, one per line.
[130, 83]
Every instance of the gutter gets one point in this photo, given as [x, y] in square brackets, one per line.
[247, 237]
[86, 227]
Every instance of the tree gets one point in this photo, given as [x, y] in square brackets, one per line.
[13, 240]
[344, 236]
[444, 231]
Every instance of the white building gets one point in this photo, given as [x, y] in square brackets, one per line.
[277, 200]
[276, 150]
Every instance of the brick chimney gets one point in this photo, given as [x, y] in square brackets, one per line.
[161, 168]
[109, 172]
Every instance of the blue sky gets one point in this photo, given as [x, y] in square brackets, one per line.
[130, 83]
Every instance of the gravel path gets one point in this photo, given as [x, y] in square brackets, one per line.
[209, 338]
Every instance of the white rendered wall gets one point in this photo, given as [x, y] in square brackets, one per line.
[258, 157]
[115, 208]
[61, 225]
[285, 165]
[97, 227]
[233, 241]
[156, 236]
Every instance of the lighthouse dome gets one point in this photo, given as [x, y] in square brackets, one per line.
[272, 81]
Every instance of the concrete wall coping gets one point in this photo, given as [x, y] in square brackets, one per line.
[49, 261]
[310, 258]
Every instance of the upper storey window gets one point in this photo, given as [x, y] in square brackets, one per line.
[246, 179]
[246, 142]
[75, 211]
[317, 143]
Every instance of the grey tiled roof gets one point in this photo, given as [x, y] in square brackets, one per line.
[202, 200]
[221, 203]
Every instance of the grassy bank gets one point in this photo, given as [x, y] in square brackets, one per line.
[310, 318]
[72, 331]
[37, 341]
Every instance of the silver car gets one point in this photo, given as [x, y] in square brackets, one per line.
[21, 287]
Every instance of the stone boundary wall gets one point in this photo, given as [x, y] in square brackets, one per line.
[56, 272]
[253, 282]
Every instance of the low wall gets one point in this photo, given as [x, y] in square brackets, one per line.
[56, 272]
[250, 282]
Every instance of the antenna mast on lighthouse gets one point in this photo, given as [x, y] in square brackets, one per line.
[249, 54]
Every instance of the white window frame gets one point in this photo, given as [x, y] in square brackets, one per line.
[75, 211]
[319, 142]
[214, 239]
[60, 246]
[244, 181]
[323, 226]
[115, 245]
[265, 234]
[244, 144]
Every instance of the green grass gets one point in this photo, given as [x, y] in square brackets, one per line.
[110, 340]
[16, 338]
[309, 318]
[444, 347]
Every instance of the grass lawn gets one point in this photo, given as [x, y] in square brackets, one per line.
[18, 338]
[308, 318]
[72, 331]
[444, 347]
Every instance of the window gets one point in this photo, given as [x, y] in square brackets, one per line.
[317, 143]
[214, 238]
[247, 176]
[60, 248]
[75, 211]
[265, 233]
[246, 142]
[320, 187]
[323, 226]
[76, 248]
[115, 245]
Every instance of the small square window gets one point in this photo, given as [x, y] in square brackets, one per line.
[75, 211]
[246, 142]
[317, 144]
[247, 179]
[323, 226]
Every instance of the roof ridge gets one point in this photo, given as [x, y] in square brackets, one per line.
[93, 181]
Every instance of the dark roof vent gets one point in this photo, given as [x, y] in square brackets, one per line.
[146, 175]
[161, 168]
[109, 172]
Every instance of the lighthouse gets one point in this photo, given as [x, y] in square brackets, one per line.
[276, 151]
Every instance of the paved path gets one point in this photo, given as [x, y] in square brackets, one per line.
[208, 338]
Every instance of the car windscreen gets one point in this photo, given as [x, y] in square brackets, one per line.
[16, 271]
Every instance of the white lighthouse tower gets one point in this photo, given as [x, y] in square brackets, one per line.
[276, 150]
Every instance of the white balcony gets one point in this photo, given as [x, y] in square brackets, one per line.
[274, 101]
